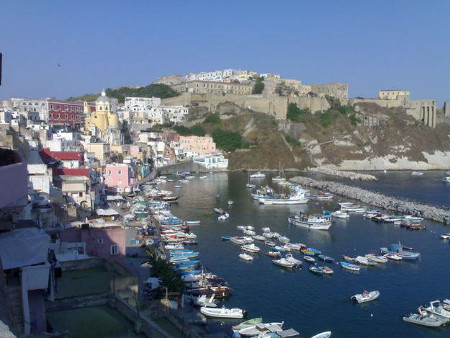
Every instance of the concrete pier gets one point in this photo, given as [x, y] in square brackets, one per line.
[378, 200]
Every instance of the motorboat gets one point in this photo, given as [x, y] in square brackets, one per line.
[223, 312]
[393, 257]
[307, 252]
[230, 202]
[321, 195]
[352, 207]
[428, 320]
[366, 296]
[219, 211]
[283, 262]
[261, 328]
[364, 261]
[249, 232]
[280, 248]
[325, 258]
[401, 251]
[250, 186]
[223, 217]
[340, 214]
[446, 236]
[309, 259]
[248, 323]
[297, 196]
[250, 248]
[314, 250]
[266, 229]
[245, 257]
[437, 308]
[416, 173]
[350, 267]
[274, 254]
[326, 270]
[238, 240]
[314, 269]
[259, 237]
[283, 239]
[376, 259]
[326, 334]
[297, 246]
[290, 258]
[315, 222]
[258, 175]
[226, 237]
[206, 302]
[348, 258]
[270, 243]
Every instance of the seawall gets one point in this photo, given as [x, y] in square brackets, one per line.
[378, 200]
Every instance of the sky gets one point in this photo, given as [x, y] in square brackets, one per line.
[67, 48]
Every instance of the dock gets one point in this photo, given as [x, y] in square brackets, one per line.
[378, 200]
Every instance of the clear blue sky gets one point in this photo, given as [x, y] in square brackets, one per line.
[371, 45]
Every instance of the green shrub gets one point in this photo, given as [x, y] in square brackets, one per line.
[227, 140]
[292, 141]
[258, 87]
[198, 130]
[294, 113]
[213, 119]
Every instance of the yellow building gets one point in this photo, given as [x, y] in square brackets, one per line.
[104, 115]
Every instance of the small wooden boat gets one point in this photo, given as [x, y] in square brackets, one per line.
[325, 258]
[348, 258]
[314, 269]
[350, 267]
[376, 259]
[326, 334]
[326, 270]
[307, 252]
[366, 296]
[245, 257]
[223, 312]
[309, 259]
[274, 254]
[393, 257]
[261, 328]
[364, 261]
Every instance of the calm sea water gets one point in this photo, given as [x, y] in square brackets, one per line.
[309, 303]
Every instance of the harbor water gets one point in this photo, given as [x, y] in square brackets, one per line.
[310, 303]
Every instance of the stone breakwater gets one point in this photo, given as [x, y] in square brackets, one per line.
[345, 174]
[378, 200]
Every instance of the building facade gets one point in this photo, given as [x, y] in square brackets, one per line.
[197, 145]
[213, 87]
[118, 177]
[65, 113]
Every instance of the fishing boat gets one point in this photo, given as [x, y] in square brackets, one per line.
[326, 334]
[401, 251]
[366, 296]
[250, 248]
[340, 214]
[393, 257]
[352, 207]
[428, 320]
[223, 312]
[315, 270]
[206, 302]
[260, 329]
[309, 259]
[350, 267]
[283, 263]
[247, 323]
[326, 270]
[245, 257]
[292, 259]
[258, 175]
[314, 222]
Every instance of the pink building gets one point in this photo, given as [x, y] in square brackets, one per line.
[107, 242]
[118, 177]
[197, 145]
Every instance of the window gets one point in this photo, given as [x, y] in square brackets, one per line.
[100, 241]
[114, 249]
[119, 172]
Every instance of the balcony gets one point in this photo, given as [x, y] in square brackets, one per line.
[13, 178]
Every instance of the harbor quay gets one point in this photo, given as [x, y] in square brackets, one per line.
[378, 200]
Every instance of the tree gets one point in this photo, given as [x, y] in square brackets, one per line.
[213, 119]
[258, 87]
[227, 140]
[294, 113]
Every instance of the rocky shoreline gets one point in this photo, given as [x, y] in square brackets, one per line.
[342, 173]
[378, 200]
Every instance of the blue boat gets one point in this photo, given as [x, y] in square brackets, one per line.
[325, 258]
[315, 270]
[316, 252]
[399, 250]
[226, 237]
[350, 267]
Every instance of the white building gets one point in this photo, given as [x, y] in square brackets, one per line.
[31, 105]
[40, 176]
[212, 161]
[141, 104]
[175, 114]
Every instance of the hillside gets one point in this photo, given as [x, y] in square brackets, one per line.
[152, 90]
[340, 136]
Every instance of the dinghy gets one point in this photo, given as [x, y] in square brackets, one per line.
[223, 312]
[366, 296]
[350, 267]
[424, 320]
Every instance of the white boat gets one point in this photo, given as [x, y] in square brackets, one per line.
[259, 237]
[223, 217]
[230, 202]
[326, 334]
[238, 240]
[352, 207]
[438, 309]
[316, 222]
[291, 259]
[298, 196]
[284, 263]
[257, 175]
[205, 302]
[266, 229]
[260, 328]
[366, 296]
[245, 257]
[223, 312]
[428, 320]
[416, 173]
[203, 177]
[250, 186]
[340, 214]
[364, 261]
[376, 259]
[283, 239]
[393, 257]
[445, 236]
[350, 267]
[250, 248]
[247, 323]
[193, 222]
